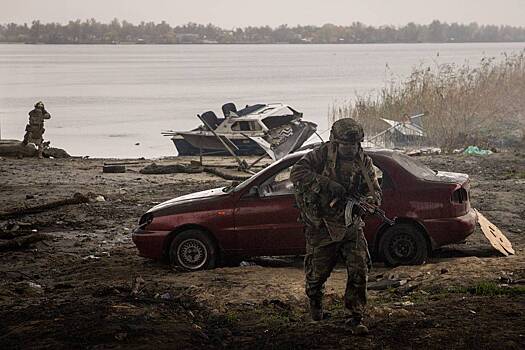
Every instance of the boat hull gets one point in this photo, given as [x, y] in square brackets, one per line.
[246, 147]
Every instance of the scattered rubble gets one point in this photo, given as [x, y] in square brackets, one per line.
[154, 168]
[386, 284]
[223, 172]
[114, 169]
[20, 242]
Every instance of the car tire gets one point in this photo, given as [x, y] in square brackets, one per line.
[403, 244]
[193, 250]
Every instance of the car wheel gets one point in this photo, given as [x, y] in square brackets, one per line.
[193, 250]
[403, 244]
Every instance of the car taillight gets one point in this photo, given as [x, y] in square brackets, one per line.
[460, 195]
[145, 220]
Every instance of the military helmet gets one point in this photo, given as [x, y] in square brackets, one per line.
[347, 130]
[39, 104]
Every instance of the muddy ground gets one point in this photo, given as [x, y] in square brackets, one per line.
[87, 288]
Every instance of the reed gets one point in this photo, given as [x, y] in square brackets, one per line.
[482, 105]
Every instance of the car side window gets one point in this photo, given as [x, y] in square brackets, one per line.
[277, 185]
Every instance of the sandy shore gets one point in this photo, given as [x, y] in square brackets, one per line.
[86, 287]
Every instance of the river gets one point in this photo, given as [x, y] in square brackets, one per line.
[114, 100]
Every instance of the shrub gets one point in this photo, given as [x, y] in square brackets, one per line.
[463, 105]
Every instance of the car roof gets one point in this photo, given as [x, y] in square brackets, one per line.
[368, 150]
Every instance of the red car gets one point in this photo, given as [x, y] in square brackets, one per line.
[258, 217]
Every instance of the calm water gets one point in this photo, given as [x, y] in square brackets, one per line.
[105, 99]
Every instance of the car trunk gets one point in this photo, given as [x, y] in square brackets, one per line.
[445, 195]
[457, 199]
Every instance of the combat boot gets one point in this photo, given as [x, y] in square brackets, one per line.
[356, 326]
[316, 309]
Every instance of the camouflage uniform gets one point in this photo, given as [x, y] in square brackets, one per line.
[35, 129]
[327, 238]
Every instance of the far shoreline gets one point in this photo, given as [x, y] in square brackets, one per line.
[261, 44]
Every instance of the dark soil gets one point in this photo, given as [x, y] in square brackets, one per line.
[87, 288]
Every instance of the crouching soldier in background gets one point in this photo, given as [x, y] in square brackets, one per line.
[322, 180]
[35, 129]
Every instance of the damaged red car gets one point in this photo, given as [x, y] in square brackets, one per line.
[258, 217]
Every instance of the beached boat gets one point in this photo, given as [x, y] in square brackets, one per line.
[276, 129]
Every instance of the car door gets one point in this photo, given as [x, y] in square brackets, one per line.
[388, 202]
[266, 218]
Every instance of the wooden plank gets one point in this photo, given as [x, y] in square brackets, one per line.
[496, 238]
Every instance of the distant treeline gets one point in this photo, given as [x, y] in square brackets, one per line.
[93, 32]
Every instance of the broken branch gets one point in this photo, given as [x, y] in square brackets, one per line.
[77, 198]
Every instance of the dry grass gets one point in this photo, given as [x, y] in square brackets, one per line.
[464, 105]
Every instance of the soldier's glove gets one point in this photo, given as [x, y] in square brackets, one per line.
[372, 201]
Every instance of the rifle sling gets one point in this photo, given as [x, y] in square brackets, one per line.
[368, 180]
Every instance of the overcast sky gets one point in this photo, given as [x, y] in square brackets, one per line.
[241, 13]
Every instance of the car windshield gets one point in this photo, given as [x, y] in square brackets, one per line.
[251, 179]
[414, 166]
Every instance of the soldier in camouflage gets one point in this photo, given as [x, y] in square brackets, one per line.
[35, 129]
[322, 180]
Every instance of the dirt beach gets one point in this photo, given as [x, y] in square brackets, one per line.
[86, 287]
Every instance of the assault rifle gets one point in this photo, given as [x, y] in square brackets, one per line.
[354, 201]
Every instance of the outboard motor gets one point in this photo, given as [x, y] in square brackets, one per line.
[227, 108]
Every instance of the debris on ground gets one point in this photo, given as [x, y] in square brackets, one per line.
[425, 151]
[21, 242]
[91, 257]
[138, 285]
[77, 198]
[227, 175]
[476, 151]
[154, 168]
[53, 152]
[496, 238]
[386, 284]
[400, 134]
[113, 169]
[99, 198]
[192, 169]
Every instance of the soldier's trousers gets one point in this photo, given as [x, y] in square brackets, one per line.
[321, 257]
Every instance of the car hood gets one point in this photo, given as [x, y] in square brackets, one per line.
[214, 192]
